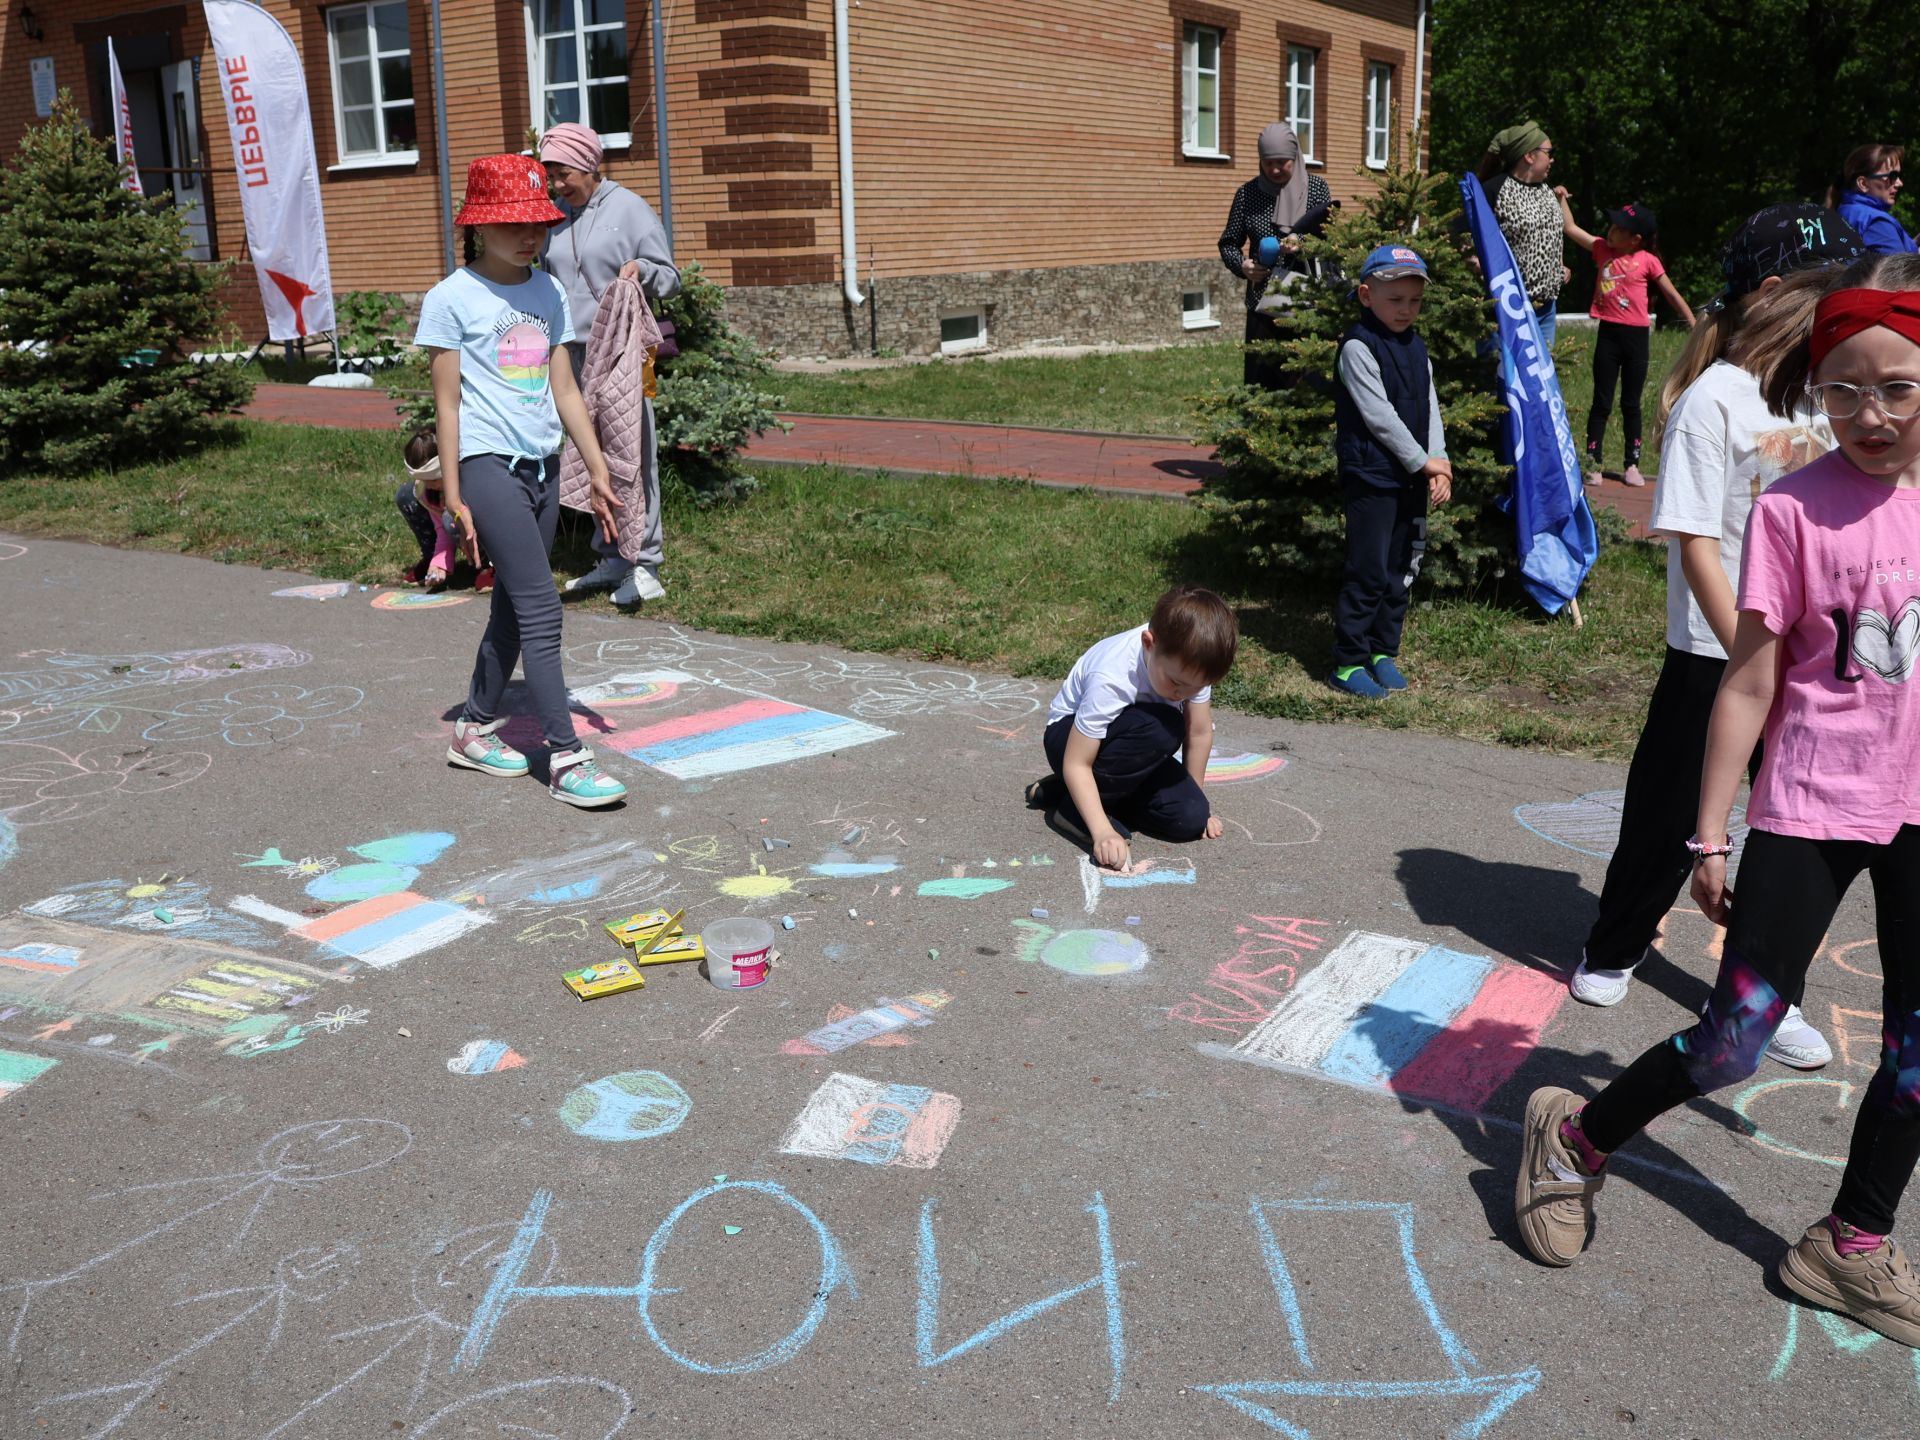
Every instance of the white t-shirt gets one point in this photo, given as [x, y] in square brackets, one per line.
[1722, 448]
[1107, 679]
[505, 335]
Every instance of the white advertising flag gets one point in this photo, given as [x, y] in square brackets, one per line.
[266, 94]
[122, 123]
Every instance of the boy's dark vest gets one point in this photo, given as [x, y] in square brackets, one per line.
[1405, 372]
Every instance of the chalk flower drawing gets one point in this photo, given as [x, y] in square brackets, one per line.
[44, 786]
[939, 692]
[255, 714]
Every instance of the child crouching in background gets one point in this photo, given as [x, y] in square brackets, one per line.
[422, 506]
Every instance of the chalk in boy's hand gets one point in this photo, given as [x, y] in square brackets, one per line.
[1127, 709]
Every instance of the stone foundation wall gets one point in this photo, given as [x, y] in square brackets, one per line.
[1072, 305]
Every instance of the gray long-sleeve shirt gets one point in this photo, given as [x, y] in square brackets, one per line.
[1360, 373]
[585, 251]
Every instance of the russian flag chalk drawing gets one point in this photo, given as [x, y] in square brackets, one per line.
[1386, 1013]
[379, 932]
[743, 736]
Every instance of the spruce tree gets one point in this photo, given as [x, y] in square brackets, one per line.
[94, 283]
[1279, 501]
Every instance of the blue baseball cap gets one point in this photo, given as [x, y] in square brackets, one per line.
[1392, 262]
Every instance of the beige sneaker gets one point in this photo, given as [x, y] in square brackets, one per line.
[1552, 1200]
[1877, 1288]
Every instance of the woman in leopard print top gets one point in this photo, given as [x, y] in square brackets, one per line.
[1514, 171]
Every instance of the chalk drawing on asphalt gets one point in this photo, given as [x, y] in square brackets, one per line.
[254, 714]
[324, 590]
[634, 1105]
[485, 1057]
[873, 1123]
[1237, 769]
[1096, 880]
[41, 785]
[882, 1023]
[1590, 823]
[1082, 952]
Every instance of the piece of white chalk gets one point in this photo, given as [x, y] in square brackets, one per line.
[1038, 913]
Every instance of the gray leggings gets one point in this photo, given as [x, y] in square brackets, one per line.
[515, 505]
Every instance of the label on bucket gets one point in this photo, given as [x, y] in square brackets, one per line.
[751, 968]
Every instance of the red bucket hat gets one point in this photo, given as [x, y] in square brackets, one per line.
[507, 190]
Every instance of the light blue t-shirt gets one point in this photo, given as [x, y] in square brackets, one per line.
[504, 334]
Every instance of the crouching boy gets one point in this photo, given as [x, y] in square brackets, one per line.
[1128, 707]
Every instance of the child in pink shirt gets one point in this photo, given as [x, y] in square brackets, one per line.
[1629, 263]
[1823, 659]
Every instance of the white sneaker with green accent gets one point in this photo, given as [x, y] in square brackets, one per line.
[477, 747]
[576, 779]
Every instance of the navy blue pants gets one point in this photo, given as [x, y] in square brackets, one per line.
[516, 505]
[1142, 786]
[1386, 538]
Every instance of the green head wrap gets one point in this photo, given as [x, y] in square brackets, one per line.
[1516, 141]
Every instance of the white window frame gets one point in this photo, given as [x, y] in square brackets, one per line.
[973, 342]
[337, 16]
[1379, 118]
[1301, 97]
[1202, 318]
[1191, 71]
[537, 72]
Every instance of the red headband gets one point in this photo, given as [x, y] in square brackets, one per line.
[1843, 315]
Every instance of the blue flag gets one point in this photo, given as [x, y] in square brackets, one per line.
[1557, 541]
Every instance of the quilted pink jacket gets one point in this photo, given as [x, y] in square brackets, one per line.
[624, 334]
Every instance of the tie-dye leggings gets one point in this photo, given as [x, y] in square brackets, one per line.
[1786, 894]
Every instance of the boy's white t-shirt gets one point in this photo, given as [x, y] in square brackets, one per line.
[1722, 448]
[1108, 678]
[505, 335]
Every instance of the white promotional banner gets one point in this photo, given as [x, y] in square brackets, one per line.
[265, 89]
[122, 123]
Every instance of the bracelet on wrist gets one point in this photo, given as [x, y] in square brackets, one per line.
[1700, 850]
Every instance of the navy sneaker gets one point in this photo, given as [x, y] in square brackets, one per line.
[1386, 674]
[1357, 682]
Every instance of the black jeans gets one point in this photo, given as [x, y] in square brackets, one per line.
[1258, 370]
[1619, 353]
[1142, 787]
[515, 505]
[1789, 890]
[1650, 860]
[1386, 538]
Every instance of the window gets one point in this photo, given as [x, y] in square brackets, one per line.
[1379, 113]
[1196, 309]
[1200, 90]
[578, 51]
[372, 83]
[1303, 65]
[962, 330]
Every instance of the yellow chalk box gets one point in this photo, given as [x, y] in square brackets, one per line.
[609, 979]
[638, 929]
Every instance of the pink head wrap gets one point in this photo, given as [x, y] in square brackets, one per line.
[571, 144]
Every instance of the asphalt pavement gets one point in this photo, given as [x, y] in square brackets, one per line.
[305, 1136]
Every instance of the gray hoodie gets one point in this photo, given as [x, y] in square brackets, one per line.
[586, 250]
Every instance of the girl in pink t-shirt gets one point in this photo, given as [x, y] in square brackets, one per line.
[1629, 262]
[1823, 659]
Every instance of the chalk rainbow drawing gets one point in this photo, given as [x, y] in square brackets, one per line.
[485, 1057]
[642, 689]
[1233, 769]
[403, 600]
[881, 1022]
[1491, 1396]
[328, 590]
[1421, 1021]
[18, 1070]
[637, 1105]
[849, 1118]
[745, 735]
[380, 932]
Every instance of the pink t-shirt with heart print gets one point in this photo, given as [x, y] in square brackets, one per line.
[1832, 566]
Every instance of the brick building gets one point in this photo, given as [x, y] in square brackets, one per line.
[1020, 172]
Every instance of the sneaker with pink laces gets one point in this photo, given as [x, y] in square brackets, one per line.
[1553, 1193]
[1875, 1287]
[477, 747]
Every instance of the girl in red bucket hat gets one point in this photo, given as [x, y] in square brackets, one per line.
[504, 398]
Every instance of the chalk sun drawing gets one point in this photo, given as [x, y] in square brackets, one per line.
[485, 1057]
[636, 1105]
[174, 907]
[873, 1123]
[761, 884]
[402, 600]
[1082, 952]
[1279, 1404]
[326, 590]
[40, 785]
[1421, 1021]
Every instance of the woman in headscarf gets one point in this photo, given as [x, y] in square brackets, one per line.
[609, 231]
[1282, 202]
[1864, 194]
[1513, 172]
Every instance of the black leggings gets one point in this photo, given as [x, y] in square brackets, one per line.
[1650, 860]
[1789, 890]
[1619, 353]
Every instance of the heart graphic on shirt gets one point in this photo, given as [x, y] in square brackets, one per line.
[1888, 647]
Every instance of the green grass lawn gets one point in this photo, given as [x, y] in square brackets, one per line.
[941, 569]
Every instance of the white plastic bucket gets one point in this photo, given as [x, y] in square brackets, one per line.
[739, 951]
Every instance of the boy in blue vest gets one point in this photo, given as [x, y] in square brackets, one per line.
[1392, 456]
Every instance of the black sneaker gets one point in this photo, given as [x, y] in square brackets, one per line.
[1046, 792]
